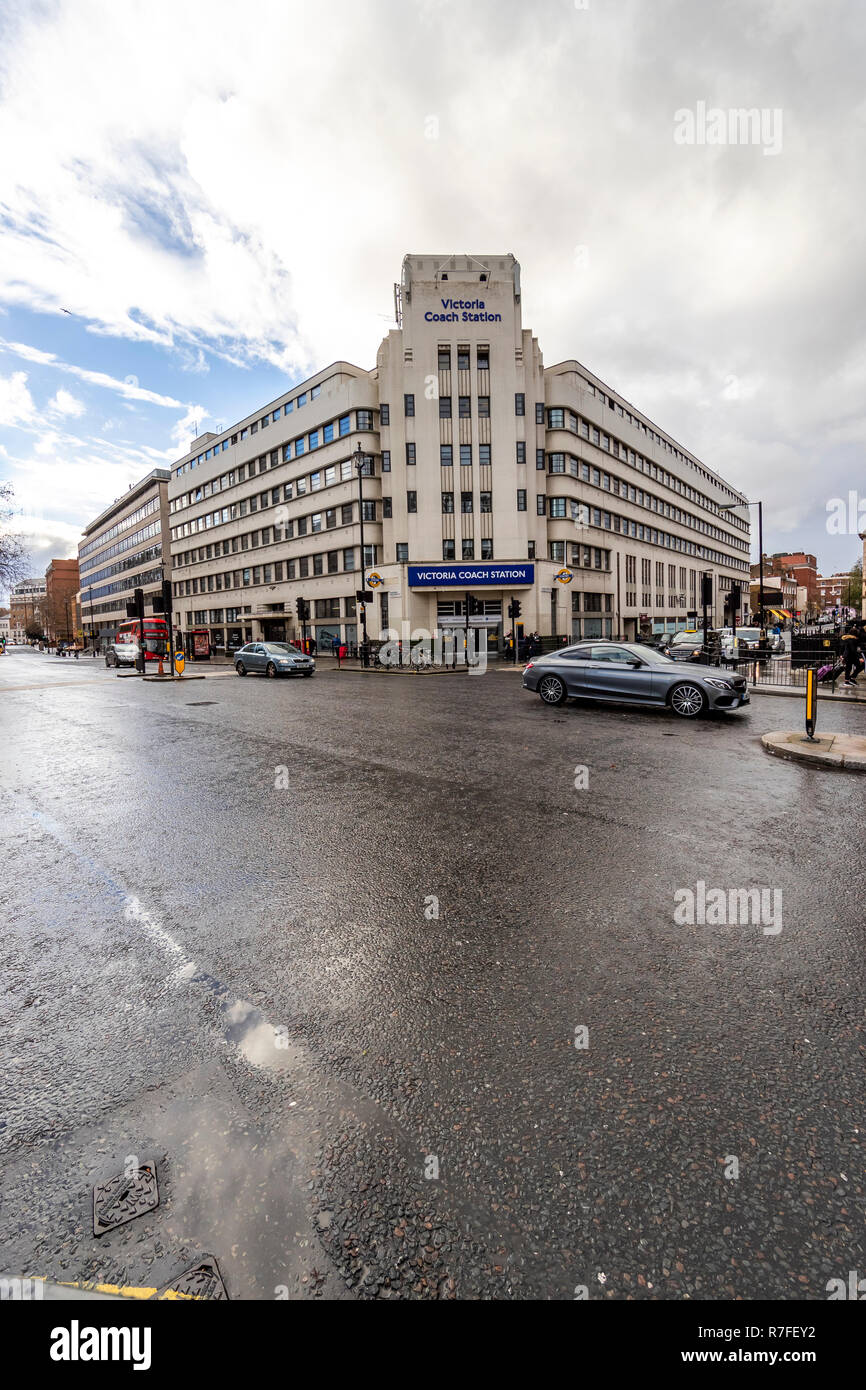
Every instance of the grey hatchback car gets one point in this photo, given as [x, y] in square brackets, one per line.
[632, 674]
[273, 659]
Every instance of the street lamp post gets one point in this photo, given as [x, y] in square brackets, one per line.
[731, 506]
[92, 625]
[358, 459]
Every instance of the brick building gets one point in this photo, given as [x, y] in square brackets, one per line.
[61, 588]
[803, 567]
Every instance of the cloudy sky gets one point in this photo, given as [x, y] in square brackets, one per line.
[202, 201]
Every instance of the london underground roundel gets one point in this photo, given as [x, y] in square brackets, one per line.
[564, 576]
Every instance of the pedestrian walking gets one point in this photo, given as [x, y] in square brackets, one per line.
[852, 654]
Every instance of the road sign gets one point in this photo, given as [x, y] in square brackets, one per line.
[179, 661]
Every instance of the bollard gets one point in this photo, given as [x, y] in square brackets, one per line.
[811, 704]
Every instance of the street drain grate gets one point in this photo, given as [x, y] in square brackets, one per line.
[122, 1198]
[201, 702]
[201, 1280]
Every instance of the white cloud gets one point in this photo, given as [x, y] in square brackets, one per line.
[64, 403]
[128, 388]
[16, 402]
[216, 196]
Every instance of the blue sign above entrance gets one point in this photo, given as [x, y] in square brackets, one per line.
[469, 576]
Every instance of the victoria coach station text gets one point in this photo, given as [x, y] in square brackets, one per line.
[472, 311]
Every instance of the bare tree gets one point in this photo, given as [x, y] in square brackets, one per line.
[13, 553]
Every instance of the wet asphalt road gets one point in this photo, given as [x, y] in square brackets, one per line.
[248, 984]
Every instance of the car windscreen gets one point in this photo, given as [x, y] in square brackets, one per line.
[751, 634]
[685, 639]
[280, 649]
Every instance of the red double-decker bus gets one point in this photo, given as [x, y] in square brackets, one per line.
[155, 637]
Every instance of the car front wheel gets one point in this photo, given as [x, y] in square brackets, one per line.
[688, 701]
[552, 690]
[271, 669]
[240, 668]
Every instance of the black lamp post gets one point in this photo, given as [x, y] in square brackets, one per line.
[729, 507]
[358, 460]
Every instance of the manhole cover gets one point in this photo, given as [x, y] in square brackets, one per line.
[201, 702]
[120, 1199]
[201, 1280]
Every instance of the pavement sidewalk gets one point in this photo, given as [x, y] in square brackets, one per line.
[846, 752]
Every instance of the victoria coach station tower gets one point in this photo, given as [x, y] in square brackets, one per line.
[485, 478]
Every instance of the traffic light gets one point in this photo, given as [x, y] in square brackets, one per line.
[161, 602]
[303, 610]
[473, 606]
[732, 603]
[706, 588]
[515, 608]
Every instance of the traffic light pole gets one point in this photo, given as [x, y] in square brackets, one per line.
[139, 603]
[359, 464]
[704, 620]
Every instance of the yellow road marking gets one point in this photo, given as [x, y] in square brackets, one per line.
[118, 1290]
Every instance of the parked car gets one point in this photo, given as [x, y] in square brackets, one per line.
[748, 641]
[121, 654]
[273, 659]
[634, 674]
[686, 646]
[660, 641]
